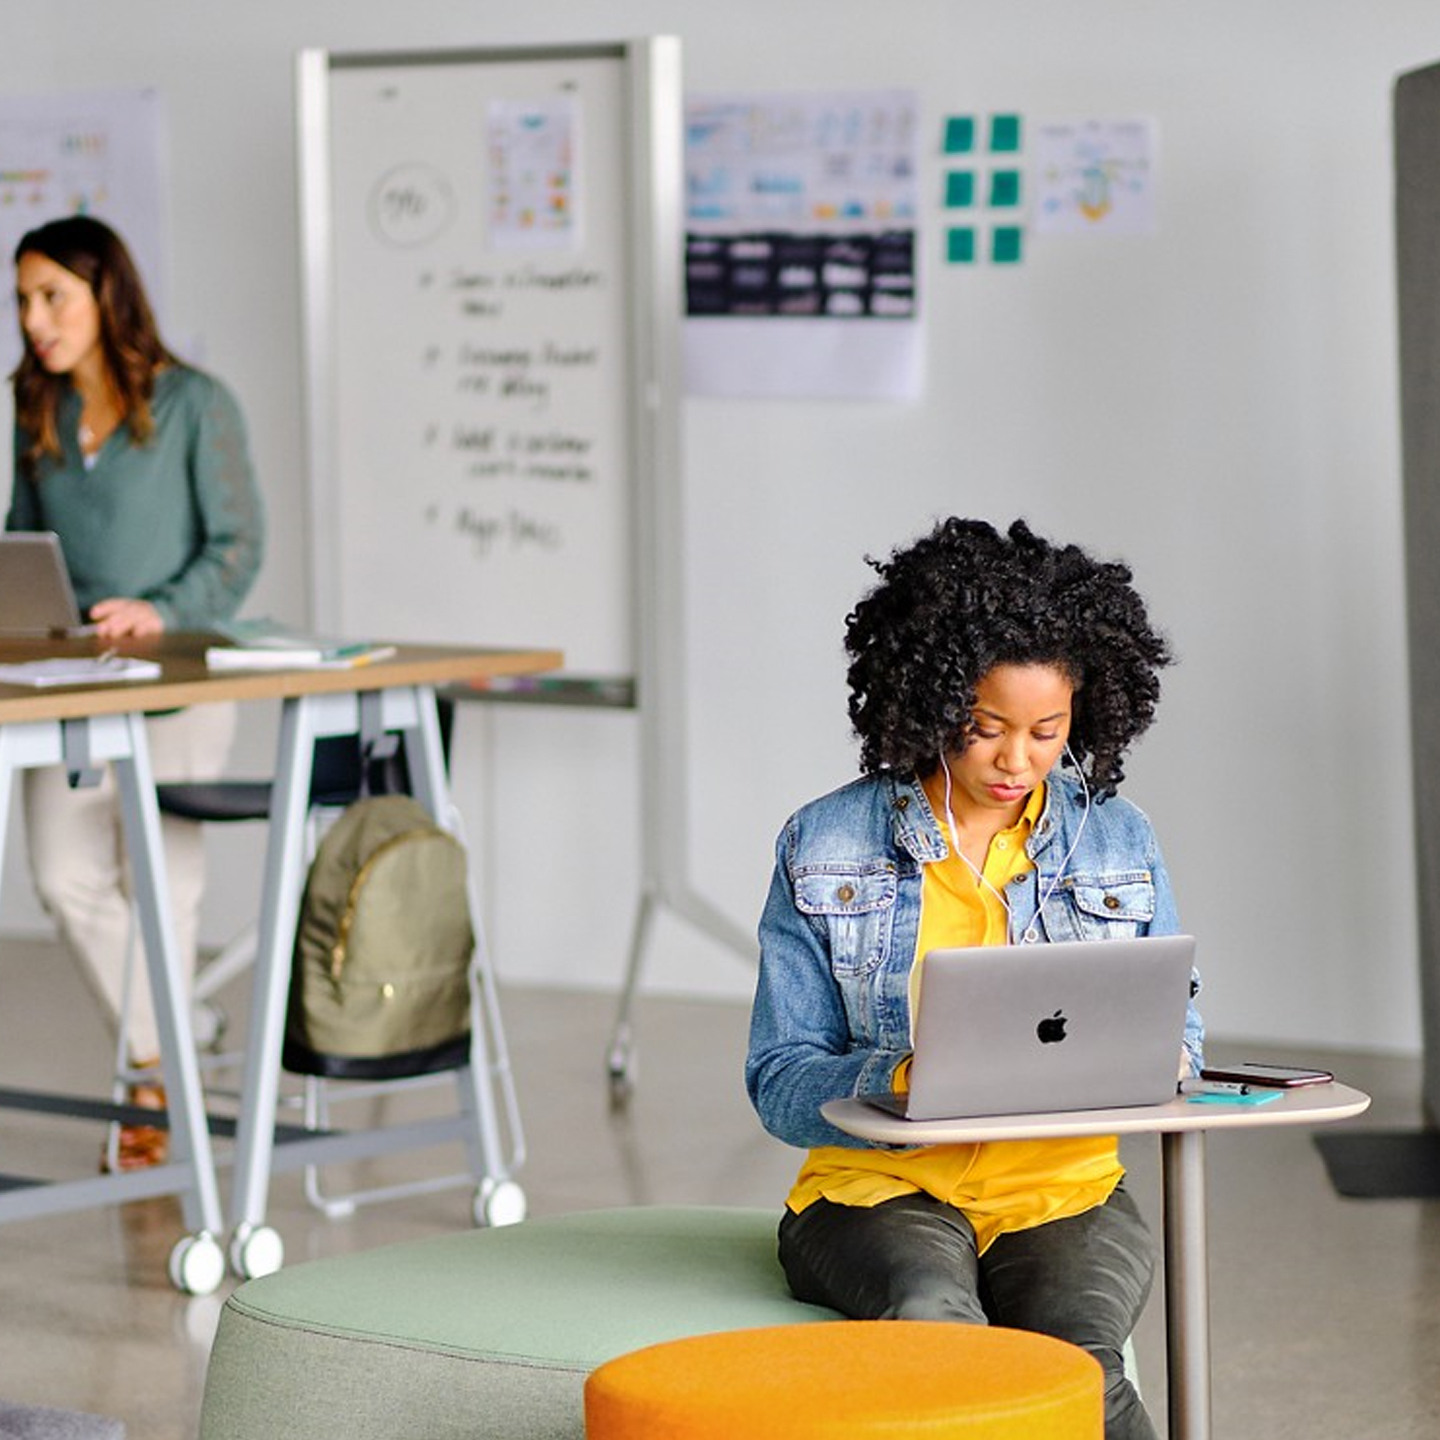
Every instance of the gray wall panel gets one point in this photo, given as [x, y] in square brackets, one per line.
[1417, 239]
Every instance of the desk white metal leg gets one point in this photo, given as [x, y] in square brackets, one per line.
[196, 1263]
[185, 1102]
[499, 1201]
[254, 1248]
[1187, 1284]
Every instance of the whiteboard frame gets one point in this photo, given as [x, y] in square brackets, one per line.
[653, 98]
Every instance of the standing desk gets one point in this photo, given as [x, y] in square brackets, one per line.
[1181, 1125]
[86, 726]
[394, 696]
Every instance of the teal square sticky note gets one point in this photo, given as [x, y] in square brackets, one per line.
[1004, 187]
[959, 188]
[959, 134]
[1006, 244]
[1255, 1097]
[1004, 133]
[960, 245]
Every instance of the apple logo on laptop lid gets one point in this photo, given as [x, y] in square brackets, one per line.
[1051, 1030]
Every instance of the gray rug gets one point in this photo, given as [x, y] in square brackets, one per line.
[1382, 1164]
[39, 1422]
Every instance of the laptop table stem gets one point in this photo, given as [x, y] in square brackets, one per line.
[1187, 1285]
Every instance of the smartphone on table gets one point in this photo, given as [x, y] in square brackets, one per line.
[1255, 1072]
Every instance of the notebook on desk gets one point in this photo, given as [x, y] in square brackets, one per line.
[1027, 1029]
[36, 597]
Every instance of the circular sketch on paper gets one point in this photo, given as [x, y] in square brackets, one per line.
[411, 204]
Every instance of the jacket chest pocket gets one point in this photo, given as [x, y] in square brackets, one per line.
[1109, 907]
[856, 906]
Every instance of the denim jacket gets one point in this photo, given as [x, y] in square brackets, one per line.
[837, 937]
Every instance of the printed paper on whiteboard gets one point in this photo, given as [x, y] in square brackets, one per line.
[1095, 176]
[534, 188]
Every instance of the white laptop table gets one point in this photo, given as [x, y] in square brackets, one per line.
[1181, 1125]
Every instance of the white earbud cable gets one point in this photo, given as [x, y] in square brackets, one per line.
[955, 846]
[1032, 932]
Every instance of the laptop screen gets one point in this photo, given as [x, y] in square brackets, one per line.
[1025, 1029]
[36, 597]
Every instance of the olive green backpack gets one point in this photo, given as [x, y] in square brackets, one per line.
[380, 980]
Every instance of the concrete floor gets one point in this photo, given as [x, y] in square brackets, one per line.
[1325, 1320]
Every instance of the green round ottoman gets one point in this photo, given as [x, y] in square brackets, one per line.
[485, 1334]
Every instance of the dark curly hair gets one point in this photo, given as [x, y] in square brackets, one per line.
[966, 598]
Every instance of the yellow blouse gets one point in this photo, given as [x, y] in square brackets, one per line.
[1000, 1185]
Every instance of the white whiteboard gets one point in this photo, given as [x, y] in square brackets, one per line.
[481, 392]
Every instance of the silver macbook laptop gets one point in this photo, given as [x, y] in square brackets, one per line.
[1023, 1029]
[36, 597]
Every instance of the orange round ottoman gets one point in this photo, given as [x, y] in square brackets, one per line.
[850, 1380]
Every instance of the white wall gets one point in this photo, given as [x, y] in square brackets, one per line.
[1216, 404]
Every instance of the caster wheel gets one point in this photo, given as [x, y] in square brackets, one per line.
[621, 1067]
[256, 1250]
[208, 1023]
[499, 1202]
[197, 1264]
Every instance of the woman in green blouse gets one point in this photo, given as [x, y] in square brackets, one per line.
[140, 464]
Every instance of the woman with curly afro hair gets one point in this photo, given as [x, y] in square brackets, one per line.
[996, 683]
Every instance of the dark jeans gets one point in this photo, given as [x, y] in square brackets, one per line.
[1084, 1279]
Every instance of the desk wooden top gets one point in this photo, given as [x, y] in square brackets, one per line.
[1304, 1105]
[185, 680]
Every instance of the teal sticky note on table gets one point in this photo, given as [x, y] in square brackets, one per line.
[1004, 188]
[959, 134]
[960, 245]
[1255, 1097]
[1004, 133]
[959, 189]
[1007, 245]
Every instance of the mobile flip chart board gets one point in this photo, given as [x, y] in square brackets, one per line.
[492, 306]
[492, 254]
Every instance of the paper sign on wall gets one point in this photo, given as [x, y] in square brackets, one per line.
[88, 153]
[801, 254]
[1095, 176]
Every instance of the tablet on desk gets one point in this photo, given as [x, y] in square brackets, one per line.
[36, 597]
